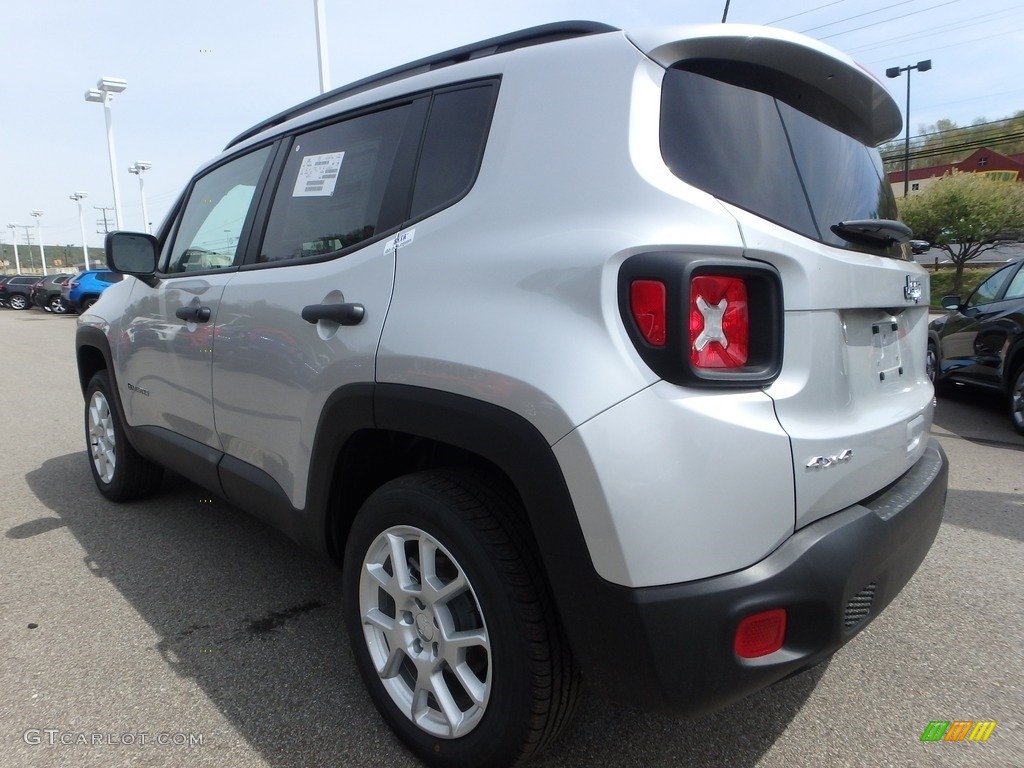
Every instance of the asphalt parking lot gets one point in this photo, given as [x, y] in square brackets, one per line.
[178, 631]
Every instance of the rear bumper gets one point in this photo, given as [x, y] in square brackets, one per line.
[670, 648]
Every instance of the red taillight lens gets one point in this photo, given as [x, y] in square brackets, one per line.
[760, 634]
[647, 303]
[719, 322]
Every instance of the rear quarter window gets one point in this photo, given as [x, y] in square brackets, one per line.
[453, 146]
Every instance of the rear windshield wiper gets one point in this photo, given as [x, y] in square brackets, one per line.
[873, 232]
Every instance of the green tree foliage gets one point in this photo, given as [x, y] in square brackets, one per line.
[965, 214]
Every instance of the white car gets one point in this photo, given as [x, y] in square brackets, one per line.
[586, 353]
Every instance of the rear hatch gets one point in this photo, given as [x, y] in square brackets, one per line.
[781, 130]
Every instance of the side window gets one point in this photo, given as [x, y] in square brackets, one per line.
[453, 146]
[1016, 288]
[989, 290]
[332, 191]
[209, 234]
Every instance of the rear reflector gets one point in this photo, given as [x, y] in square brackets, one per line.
[647, 304]
[719, 322]
[761, 634]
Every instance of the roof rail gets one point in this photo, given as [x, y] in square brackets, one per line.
[546, 33]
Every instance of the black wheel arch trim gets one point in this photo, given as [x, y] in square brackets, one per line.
[90, 342]
[514, 446]
[1014, 359]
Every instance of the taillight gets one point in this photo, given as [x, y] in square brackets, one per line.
[647, 303]
[73, 284]
[704, 321]
[719, 322]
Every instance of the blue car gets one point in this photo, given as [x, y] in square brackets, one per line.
[84, 290]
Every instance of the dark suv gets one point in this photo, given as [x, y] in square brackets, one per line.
[15, 291]
[46, 294]
[981, 341]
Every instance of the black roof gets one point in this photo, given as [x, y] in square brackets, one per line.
[546, 33]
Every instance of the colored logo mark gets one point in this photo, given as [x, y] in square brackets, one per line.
[958, 730]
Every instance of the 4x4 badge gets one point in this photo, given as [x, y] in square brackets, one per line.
[824, 462]
[912, 290]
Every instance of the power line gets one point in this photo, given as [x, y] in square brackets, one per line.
[966, 146]
[857, 16]
[987, 18]
[958, 43]
[886, 21]
[804, 13]
[965, 128]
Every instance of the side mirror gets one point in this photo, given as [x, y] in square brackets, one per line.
[950, 302]
[132, 253]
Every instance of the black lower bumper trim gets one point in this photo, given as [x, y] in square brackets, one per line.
[670, 648]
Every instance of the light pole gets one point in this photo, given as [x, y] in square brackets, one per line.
[105, 88]
[39, 234]
[321, 45]
[921, 66]
[78, 197]
[14, 237]
[140, 167]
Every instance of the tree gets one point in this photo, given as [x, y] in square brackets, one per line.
[965, 214]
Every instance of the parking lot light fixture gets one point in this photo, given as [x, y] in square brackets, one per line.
[138, 168]
[78, 197]
[14, 238]
[105, 88]
[921, 66]
[39, 233]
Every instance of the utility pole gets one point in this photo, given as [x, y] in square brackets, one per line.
[105, 223]
[28, 239]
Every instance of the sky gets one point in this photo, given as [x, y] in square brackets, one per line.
[200, 72]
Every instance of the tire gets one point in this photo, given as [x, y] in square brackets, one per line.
[120, 472]
[508, 687]
[58, 306]
[87, 302]
[17, 301]
[1017, 399]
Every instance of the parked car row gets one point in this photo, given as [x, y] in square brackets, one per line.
[59, 294]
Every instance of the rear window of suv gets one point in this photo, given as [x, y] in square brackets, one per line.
[772, 146]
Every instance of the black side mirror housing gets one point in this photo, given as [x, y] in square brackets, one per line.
[132, 253]
[950, 302]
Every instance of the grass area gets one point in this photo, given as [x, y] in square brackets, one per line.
[942, 282]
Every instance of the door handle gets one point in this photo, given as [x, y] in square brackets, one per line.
[193, 314]
[342, 314]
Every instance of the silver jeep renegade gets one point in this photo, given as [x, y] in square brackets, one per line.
[588, 355]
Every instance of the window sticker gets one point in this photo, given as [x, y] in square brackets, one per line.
[317, 175]
[398, 241]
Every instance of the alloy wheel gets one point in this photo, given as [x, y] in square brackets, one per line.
[102, 441]
[425, 632]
